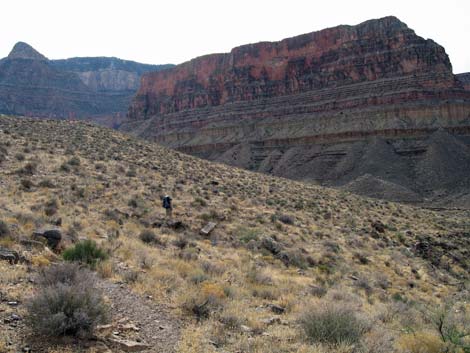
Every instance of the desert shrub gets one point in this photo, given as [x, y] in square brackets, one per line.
[130, 276]
[75, 161]
[208, 300]
[65, 167]
[257, 276]
[131, 173]
[86, 252]
[246, 234]
[286, 219]
[189, 254]
[363, 283]
[383, 282]
[20, 157]
[332, 324]
[148, 236]
[231, 322]
[180, 242]
[29, 169]
[51, 207]
[135, 202]
[452, 325]
[293, 258]
[212, 268]
[198, 277]
[361, 258]
[318, 291]
[65, 273]
[67, 303]
[198, 201]
[4, 229]
[146, 261]
[421, 342]
[26, 184]
[46, 183]
[271, 245]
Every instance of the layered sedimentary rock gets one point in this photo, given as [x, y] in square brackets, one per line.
[96, 88]
[366, 107]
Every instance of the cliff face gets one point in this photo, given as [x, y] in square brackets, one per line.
[107, 74]
[367, 107]
[464, 79]
[333, 57]
[94, 88]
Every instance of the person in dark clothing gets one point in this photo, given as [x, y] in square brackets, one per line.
[168, 206]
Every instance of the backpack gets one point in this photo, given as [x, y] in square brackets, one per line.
[166, 202]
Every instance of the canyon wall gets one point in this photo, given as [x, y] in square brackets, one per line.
[373, 108]
[100, 88]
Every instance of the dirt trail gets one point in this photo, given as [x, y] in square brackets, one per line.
[156, 327]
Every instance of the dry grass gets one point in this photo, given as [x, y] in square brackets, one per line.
[326, 248]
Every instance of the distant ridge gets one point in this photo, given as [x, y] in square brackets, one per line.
[98, 89]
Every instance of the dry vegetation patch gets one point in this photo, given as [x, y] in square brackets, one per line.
[282, 257]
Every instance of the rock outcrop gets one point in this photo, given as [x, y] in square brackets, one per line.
[328, 107]
[94, 88]
[464, 79]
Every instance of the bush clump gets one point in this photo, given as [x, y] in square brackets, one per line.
[86, 252]
[67, 303]
[332, 324]
[4, 230]
[147, 236]
[286, 219]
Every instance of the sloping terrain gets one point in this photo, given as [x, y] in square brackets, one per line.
[326, 107]
[279, 249]
[98, 88]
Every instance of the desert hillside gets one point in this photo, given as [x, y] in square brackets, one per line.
[283, 256]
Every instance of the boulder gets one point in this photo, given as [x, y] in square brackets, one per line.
[9, 255]
[53, 236]
[208, 228]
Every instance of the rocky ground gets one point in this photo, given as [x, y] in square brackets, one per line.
[279, 249]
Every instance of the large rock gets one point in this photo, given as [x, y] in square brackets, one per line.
[327, 106]
[9, 255]
[52, 236]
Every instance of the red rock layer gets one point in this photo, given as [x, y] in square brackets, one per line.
[311, 107]
[342, 55]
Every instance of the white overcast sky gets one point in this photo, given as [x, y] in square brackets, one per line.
[174, 31]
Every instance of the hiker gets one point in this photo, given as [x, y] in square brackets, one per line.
[167, 206]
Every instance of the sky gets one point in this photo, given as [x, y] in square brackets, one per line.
[174, 31]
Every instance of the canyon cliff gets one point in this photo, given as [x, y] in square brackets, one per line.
[100, 88]
[373, 108]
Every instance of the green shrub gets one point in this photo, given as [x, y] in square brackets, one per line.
[67, 303]
[86, 252]
[246, 234]
[332, 324]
